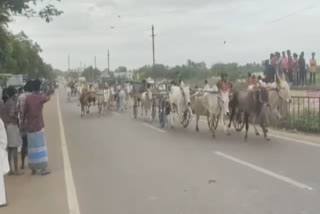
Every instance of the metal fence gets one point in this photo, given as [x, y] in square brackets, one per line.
[301, 108]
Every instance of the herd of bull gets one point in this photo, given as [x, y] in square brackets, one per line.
[256, 104]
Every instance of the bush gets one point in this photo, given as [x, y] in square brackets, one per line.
[305, 123]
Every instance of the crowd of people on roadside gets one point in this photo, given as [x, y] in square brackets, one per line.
[291, 67]
[22, 126]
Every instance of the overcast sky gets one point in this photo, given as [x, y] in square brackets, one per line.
[185, 29]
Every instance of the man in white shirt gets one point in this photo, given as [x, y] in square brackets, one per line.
[20, 106]
[206, 85]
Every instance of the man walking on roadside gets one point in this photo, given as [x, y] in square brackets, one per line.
[33, 118]
[313, 69]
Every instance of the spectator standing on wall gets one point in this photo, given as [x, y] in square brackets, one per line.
[313, 69]
[284, 66]
[302, 69]
[290, 66]
[295, 70]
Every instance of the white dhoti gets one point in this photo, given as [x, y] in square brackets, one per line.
[3, 199]
[4, 164]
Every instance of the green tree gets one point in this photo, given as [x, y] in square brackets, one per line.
[91, 74]
[121, 69]
[8, 8]
[22, 56]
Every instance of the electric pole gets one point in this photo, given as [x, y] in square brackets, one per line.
[108, 61]
[153, 51]
[69, 63]
[95, 67]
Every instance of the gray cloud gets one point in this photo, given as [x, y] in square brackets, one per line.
[186, 29]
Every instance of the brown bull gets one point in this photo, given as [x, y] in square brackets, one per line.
[86, 99]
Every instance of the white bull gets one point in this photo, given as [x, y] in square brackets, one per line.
[122, 100]
[146, 105]
[107, 97]
[212, 105]
[104, 100]
[129, 99]
[179, 98]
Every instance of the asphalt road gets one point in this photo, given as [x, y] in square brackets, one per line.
[126, 166]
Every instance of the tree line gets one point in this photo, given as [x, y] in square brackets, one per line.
[195, 71]
[18, 53]
[192, 72]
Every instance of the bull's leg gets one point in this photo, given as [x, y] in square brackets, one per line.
[171, 117]
[150, 114]
[246, 119]
[233, 111]
[120, 105]
[197, 122]
[224, 124]
[141, 110]
[213, 118]
[82, 110]
[254, 125]
[146, 113]
[264, 129]
[277, 114]
[179, 113]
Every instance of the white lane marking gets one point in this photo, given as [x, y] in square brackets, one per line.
[295, 140]
[154, 128]
[266, 172]
[71, 189]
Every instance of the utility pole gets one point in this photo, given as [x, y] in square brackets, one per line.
[69, 63]
[153, 51]
[108, 61]
[95, 67]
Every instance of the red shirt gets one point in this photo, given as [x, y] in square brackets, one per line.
[33, 112]
[225, 86]
[273, 61]
[251, 81]
[290, 63]
[295, 66]
[284, 63]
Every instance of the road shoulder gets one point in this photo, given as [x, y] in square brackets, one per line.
[37, 194]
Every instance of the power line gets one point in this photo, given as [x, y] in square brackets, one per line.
[291, 14]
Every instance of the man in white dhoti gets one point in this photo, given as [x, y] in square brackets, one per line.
[206, 85]
[4, 165]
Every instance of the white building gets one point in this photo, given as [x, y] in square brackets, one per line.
[125, 75]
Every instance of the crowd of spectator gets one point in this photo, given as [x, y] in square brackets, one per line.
[22, 126]
[291, 67]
